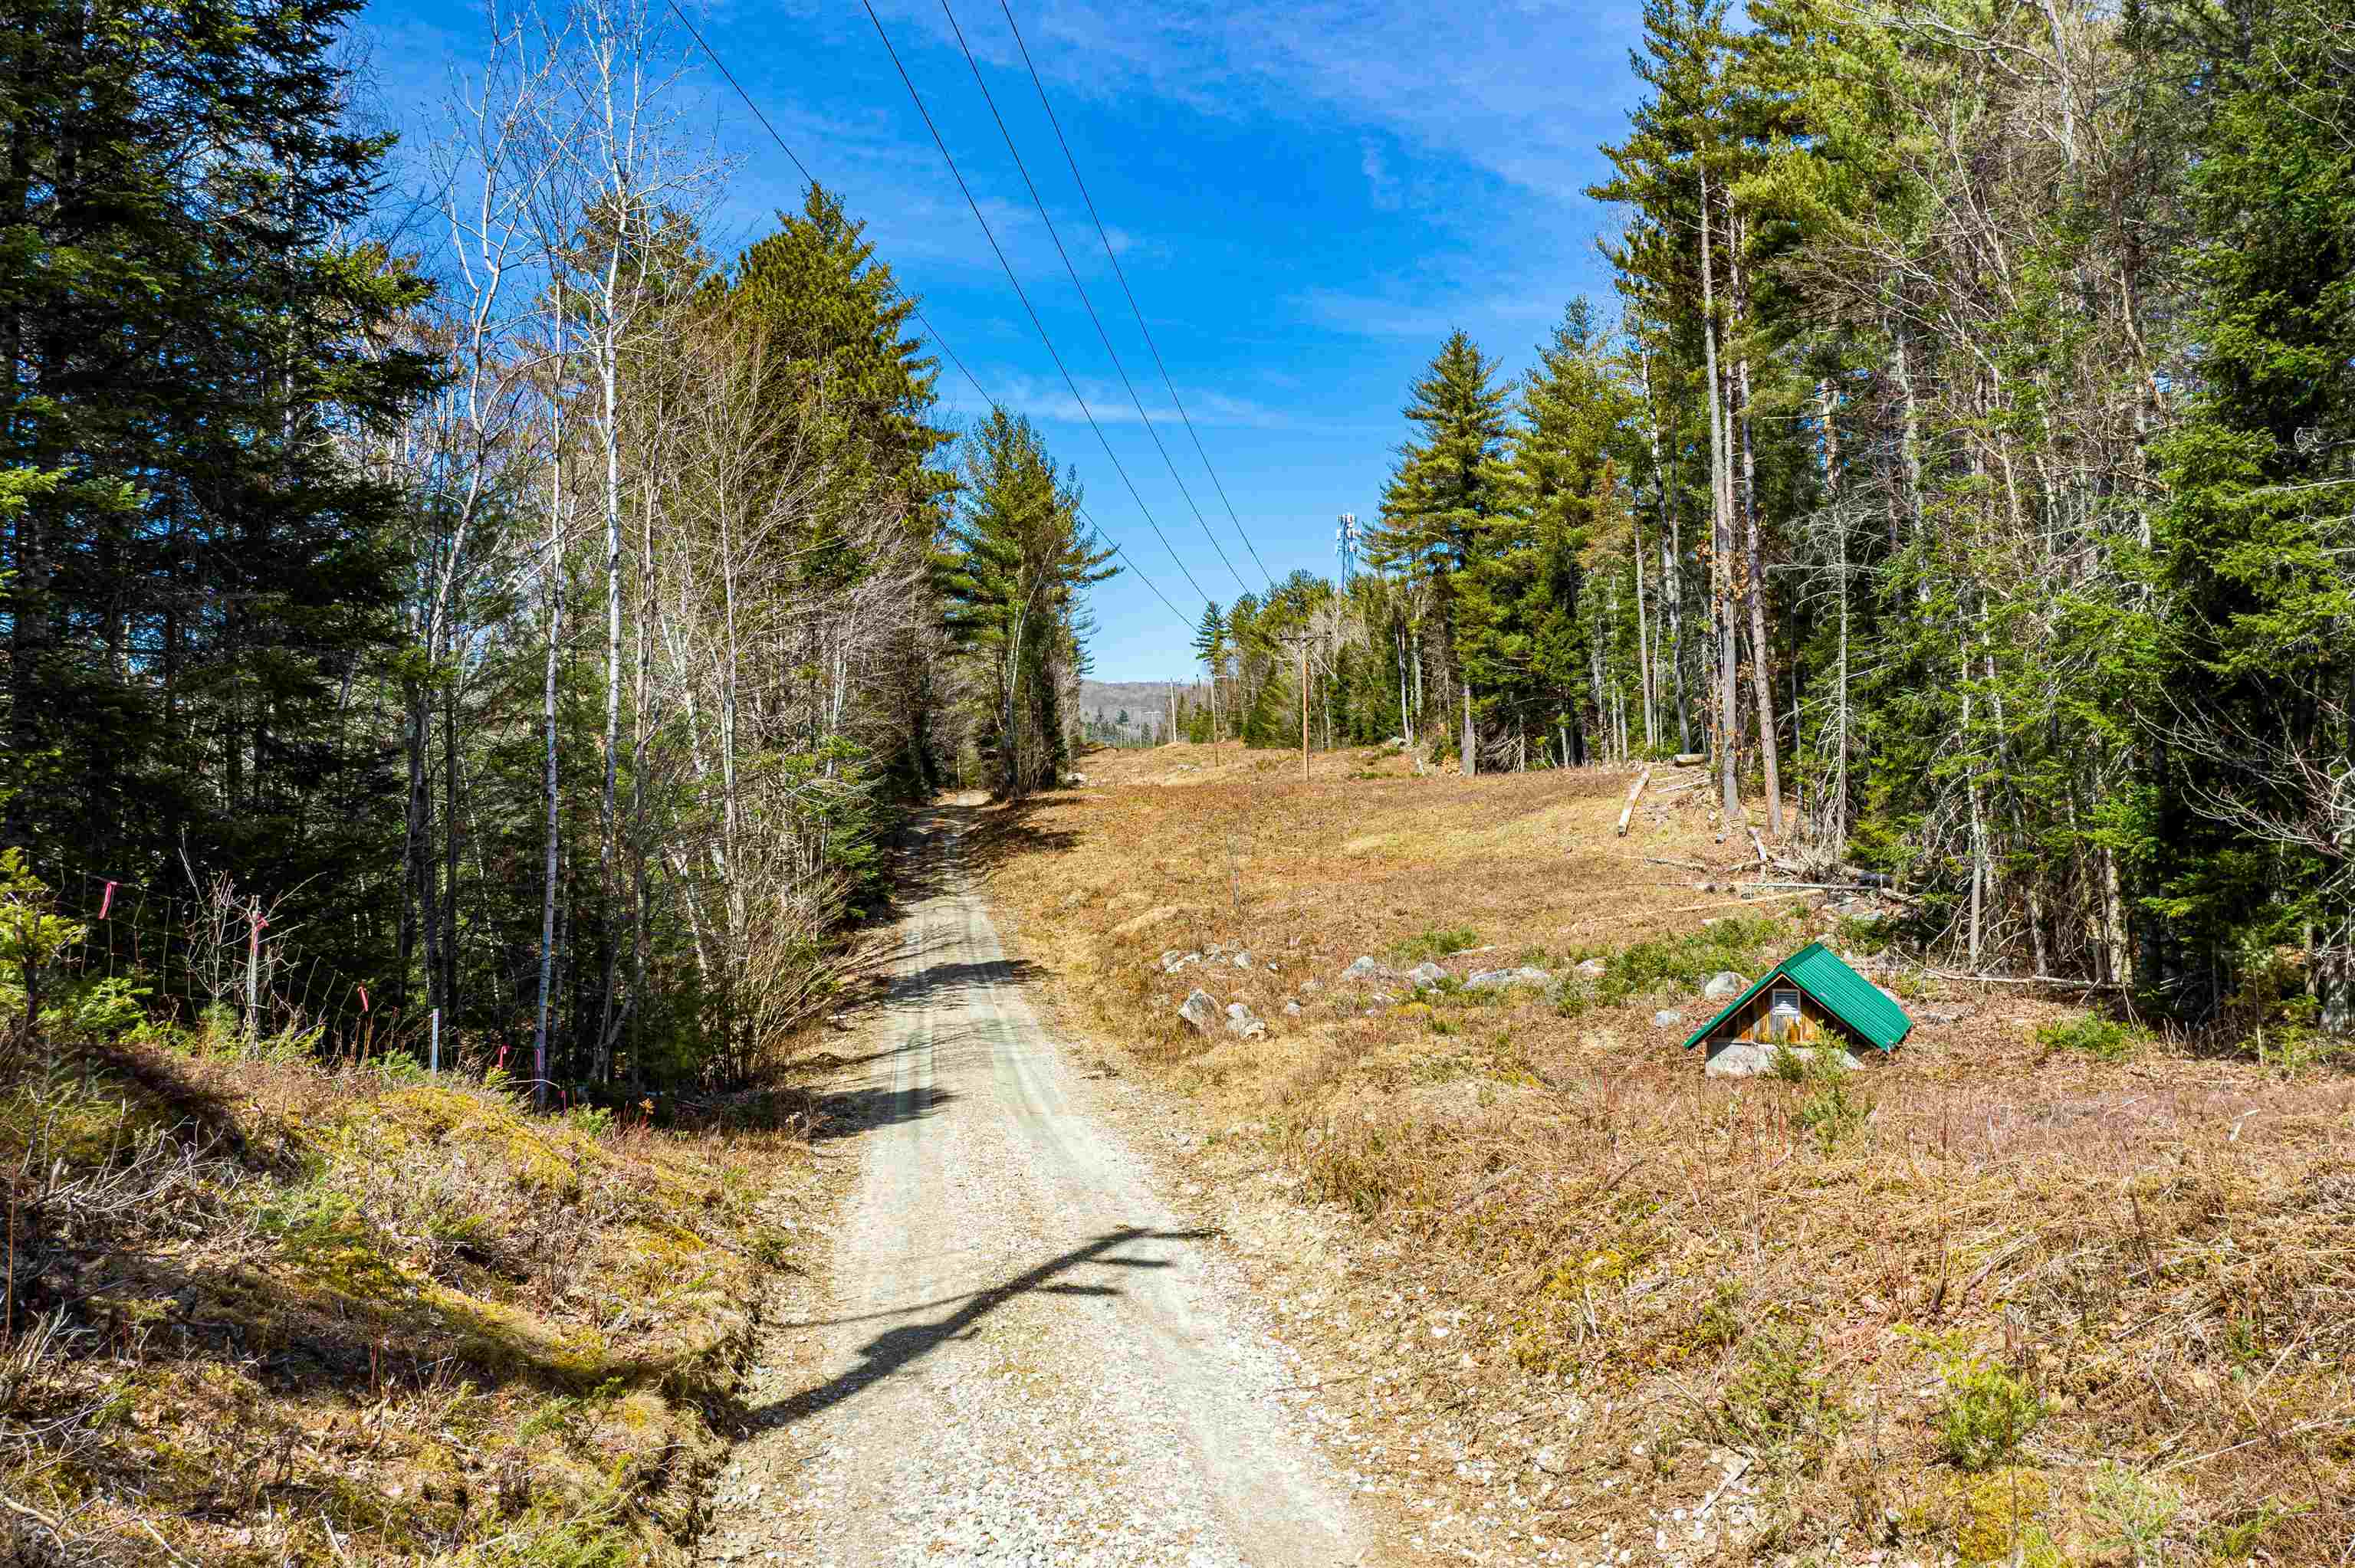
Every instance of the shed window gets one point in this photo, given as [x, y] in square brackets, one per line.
[1782, 1016]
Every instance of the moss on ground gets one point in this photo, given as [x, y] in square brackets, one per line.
[265, 1311]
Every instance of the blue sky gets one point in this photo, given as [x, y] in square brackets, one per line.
[1305, 198]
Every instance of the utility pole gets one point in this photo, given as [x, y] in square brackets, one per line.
[1303, 707]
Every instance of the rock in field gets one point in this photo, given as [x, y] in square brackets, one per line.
[1724, 986]
[1590, 969]
[1307, 985]
[1740, 1061]
[1173, 960]
[1367, 969]
[1745, 1059]
[1496, 980]
[1291, 1009]
[1426, 973]
[1242, 1023]
[1201, 1010]
[1243, 960]
[1550, 1459]
[1667, 1018]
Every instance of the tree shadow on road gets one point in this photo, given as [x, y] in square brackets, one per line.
[896, 1349]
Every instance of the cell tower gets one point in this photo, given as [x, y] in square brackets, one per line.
[1345, 544]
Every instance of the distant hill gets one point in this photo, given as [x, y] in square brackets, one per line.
[1146, 704]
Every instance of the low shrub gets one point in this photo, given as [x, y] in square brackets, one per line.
[1989, 1414]
[2091, 1035]
[1436, 942]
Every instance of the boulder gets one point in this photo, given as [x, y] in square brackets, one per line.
[1171, 962]
[1291, 1009]
[1668, 1018]
[1243, 960]
[1498, 980]
[1590, 969]
[1741, 1060]
[1242, 1023]
[1426, 973]
[1201, 1009]
[1746, 1059]
[1724, 986]
[1367, 969]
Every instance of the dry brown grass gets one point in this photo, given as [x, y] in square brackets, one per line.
[1987, 1299]
[265, 1312]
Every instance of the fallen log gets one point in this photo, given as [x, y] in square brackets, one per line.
[2052, 981]
[1759, 845]
[1730, 903]
[1634, 789]
[1679, 865]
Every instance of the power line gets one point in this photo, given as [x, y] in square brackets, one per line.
[934, 333]
[1102, 533]
[711, 55]
[1133, 309]
[1118, 368]
[1008, 268]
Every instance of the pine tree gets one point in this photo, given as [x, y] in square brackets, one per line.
[1210, 647]
[188, 331]
[1011, 574]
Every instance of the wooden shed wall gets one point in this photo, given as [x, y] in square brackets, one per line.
[1814, 1024]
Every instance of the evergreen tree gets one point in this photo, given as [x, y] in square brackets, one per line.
[1209, 646]
[188, 331]
[1015, 563]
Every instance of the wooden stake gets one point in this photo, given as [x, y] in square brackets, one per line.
[1628, 810]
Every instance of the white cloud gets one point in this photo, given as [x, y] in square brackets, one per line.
[1523, 92]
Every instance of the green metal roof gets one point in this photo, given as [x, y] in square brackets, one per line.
[1848, 995]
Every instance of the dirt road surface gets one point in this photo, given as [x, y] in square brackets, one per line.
[1024, 1354]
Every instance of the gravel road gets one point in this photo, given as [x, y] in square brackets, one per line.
[1025, 1355]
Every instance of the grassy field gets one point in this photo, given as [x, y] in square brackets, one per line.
[263, 1312]
[2041, 1288]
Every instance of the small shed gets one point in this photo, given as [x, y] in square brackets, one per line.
[1809, 998]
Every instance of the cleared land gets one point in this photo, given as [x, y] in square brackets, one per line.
[2037, 1288]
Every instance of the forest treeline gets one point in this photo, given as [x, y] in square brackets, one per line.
[1965, 468]
[482, 594]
